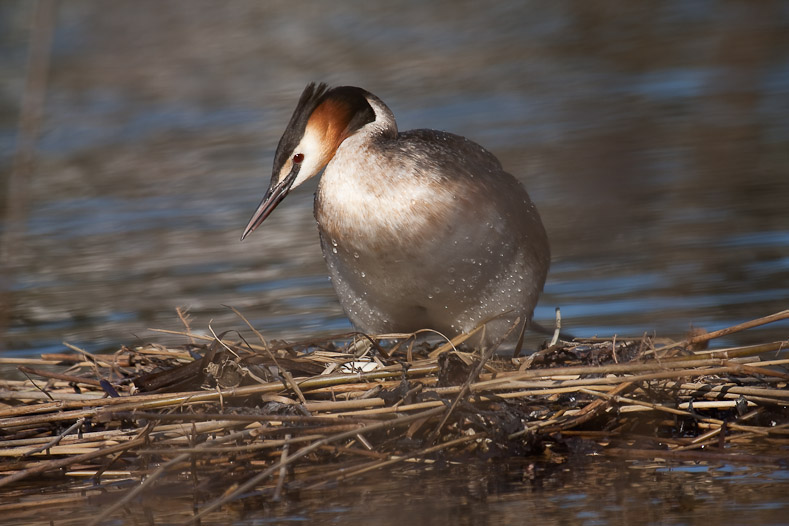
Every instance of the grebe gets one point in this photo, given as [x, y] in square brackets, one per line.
[419, 229]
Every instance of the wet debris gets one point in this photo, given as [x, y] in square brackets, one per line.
[234, 418]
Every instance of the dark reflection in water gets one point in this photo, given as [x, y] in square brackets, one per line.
[588, 491]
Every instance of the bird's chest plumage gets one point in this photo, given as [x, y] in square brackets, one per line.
[382, 225]
[373, 206]
[413, 237]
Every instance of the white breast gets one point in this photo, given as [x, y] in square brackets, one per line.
[367, 201]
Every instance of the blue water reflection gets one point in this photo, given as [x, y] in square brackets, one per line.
[653, 139]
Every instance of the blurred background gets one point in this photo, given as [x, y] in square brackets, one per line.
[653, 136]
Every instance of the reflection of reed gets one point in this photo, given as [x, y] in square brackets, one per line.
[30, 116]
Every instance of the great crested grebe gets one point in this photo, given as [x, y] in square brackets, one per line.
[419, 229]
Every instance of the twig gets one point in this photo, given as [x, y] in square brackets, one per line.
[707, 336]
[700, 456]
[59, 376]
[55, 441]
[51, 465]
[252, 482]
[183, 315]
[557, 328]
[282, 470]
[106, 512]
[465, 388]
[396, 459]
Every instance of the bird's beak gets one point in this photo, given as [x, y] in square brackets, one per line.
[276, 192]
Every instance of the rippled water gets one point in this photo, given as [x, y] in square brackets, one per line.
[591, 492]
[652, 136]
[653, 140]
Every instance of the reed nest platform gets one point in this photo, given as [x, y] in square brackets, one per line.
[231, 417]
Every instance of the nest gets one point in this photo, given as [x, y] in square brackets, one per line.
[225, 419]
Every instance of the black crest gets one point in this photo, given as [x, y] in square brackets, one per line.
[353, 99]
[309, 100]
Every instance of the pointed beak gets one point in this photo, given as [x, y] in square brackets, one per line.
[276, 192]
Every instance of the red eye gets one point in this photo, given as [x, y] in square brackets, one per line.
[298, 158]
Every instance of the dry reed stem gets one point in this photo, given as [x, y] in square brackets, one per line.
[345, 475]
[692, 456]
[252, 482]
[159, 472]
[720, 392]
[473, 375]
[51, 465]
[705, 337]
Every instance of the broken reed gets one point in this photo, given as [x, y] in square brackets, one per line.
[314, 413]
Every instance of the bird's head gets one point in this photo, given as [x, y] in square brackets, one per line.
[323, 119]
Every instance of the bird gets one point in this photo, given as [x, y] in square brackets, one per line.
[420, 229]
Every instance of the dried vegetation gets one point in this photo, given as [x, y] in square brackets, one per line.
[225, 419]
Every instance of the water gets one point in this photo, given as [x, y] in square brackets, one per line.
[653, 138]
[590, 492]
